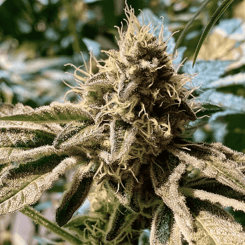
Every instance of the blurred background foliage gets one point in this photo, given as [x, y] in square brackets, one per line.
[37, 37]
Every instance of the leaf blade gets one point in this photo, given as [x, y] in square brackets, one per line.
[214, 225]
[171, 196]
[76, 133]
[120, 220]
[221, 9]
[76, 195]
[214, 165]
[15, 134]
[55, 113]
[18, 191]
[161, 225]
[204, 4]
[214, 198]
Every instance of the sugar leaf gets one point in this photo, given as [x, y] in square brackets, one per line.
[120, 220]
[214, 225]
[74, 197]
[161, 225]
[214, 198]
[76, 133]
[55, 112]
[175, 200]
[25, 184]
[23, 134]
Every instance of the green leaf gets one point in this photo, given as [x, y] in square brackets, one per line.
[214, 198]
[9, 109]
[8, 152]
[219, 167]
[161, 225]
[76, 195]
[209, 108]
[172, 197]
[144, 237]
[5, 154]
[55, 112]
[68, 132]
[217, 14]
[76, 133]
[206, 72]
[175, 236]
[237, 79]
[214, 165]
[123, 191]
[22, 134]
[121, 219]
[134, 203]
[129, 139]
[35, 171]
[214, 225]
[235, 137]
[96, 81]
[226, 101]
[238, 157]
[81, 219]
[200, 9]
[215, 187]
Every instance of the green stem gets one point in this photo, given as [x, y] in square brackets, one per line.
[71, 25]
[40, 220]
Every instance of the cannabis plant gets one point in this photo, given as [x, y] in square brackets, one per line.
[127, 135]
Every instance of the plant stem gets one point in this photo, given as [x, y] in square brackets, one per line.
[71, 25]
[40, 220]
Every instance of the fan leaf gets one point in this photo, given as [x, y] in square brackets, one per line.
[219, 11]
[225, 101]
[200, 9]
[237, 79]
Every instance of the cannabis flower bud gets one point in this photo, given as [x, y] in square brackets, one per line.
[126, 135]
[139, 93]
